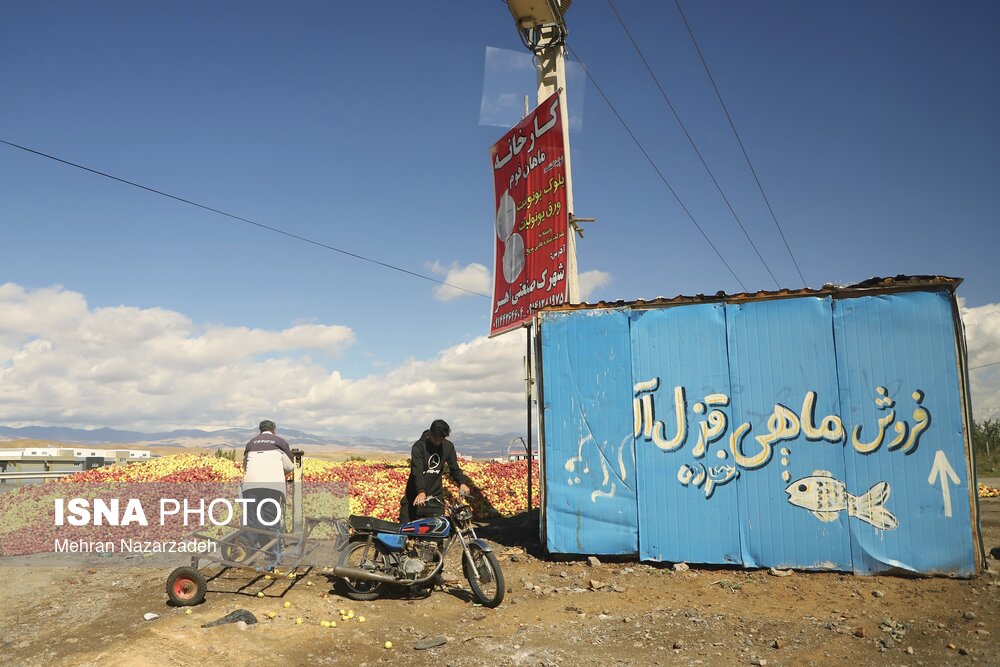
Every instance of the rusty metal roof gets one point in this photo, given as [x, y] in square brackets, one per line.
[871, 286]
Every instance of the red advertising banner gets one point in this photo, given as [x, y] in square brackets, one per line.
[531, 221]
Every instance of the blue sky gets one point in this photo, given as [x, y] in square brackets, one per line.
[871, 125]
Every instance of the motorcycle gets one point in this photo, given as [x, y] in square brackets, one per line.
[381, 553]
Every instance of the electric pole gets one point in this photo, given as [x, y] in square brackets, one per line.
[542, 28]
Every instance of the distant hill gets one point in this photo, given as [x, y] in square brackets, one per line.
[476, 445]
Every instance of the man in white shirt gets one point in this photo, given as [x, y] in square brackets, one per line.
[266, 460]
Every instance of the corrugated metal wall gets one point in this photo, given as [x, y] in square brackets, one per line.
[682, 521]
[906, 345]
[806, 432]
[592, 461]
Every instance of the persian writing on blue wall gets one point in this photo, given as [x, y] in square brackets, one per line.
[783, 424]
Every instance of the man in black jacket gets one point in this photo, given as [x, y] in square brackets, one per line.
[427, 460]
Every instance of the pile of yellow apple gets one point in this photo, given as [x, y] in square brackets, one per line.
[331, 489]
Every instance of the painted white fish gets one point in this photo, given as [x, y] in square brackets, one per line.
[827, 497]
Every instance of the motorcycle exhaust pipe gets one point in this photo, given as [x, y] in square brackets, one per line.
[366, 575]
[348, 572]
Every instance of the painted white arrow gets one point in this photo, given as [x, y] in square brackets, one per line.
[943, 470]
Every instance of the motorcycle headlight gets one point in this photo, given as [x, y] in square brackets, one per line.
[463, 513]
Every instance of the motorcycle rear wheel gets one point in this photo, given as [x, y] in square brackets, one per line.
[485, 576]
[361, 554]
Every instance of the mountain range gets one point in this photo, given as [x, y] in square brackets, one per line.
[476, 445]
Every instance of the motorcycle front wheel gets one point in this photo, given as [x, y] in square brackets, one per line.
[482, 569]
[365, 556]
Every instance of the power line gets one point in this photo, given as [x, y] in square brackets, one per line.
[241, 219]
[739, 141]
[653, 164]
[972, 368]
[691, 140]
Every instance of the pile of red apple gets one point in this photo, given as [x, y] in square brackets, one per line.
[332, 489]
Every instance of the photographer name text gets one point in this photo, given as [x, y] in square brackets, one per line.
[127, 546]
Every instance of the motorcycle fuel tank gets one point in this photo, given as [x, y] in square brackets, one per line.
[434, 526]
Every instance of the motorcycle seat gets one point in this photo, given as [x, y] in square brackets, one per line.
[371, 524]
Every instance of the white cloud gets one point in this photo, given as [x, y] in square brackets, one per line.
[591, 281]
[64, 363]
[982, 334]
[477, 386]
[473, 277]
[28, 313]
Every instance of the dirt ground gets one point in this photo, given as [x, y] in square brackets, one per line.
[638, 615]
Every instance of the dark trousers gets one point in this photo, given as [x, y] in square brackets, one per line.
[406, 510]
[269, 512]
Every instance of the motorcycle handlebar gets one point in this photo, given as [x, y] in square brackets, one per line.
[441, 502]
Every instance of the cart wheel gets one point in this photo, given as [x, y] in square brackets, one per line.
[237, 549]
[186, 587]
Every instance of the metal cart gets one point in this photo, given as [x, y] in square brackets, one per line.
[259, 550]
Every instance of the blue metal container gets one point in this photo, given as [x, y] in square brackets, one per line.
[820, 429]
